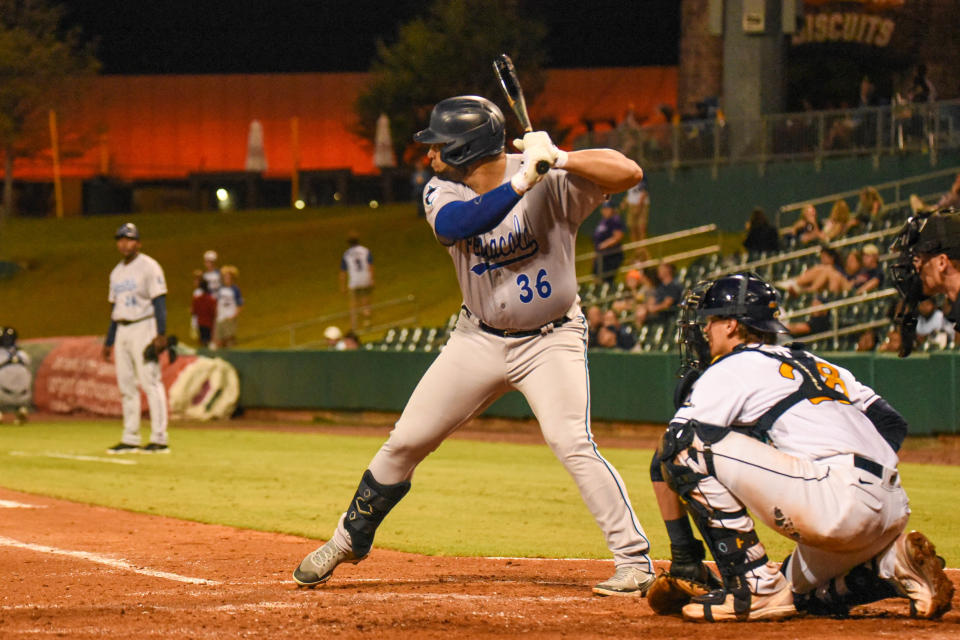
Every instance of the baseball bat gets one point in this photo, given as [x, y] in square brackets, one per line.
[510, 83]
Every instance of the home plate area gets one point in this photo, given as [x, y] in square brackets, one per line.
[79, 571]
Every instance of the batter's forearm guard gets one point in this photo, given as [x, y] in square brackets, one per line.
[370, 505]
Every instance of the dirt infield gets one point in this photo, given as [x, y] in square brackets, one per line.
[77, 571]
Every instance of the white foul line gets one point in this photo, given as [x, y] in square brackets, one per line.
[68, 456]
[10, 504]
[110, 562]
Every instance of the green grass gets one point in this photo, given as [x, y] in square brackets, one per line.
[469, 498]
[289, 263]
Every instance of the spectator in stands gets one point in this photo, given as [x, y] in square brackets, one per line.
[594, 323]
[825, 276]
[608, 243]
[870, 275]
[614, 335]
[838, 223]
[932, 324]
[817, 322]
[921, 89]
[636, 208]
[952, 197]
[761, 235]
[852, 265]
[807, 228]
[350, 342]
[637, 289]
[891, 344]
[869, 206]
[665, 299]
[867, 341]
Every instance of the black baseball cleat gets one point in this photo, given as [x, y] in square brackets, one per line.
[123, 448]
[153, 447]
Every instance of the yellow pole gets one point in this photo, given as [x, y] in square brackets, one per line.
[55, 149]
[295, 145]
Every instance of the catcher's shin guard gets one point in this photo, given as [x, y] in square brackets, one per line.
[369, 506]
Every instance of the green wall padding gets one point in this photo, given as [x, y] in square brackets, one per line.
[624, 386]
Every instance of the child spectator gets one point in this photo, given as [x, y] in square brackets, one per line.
[210, 271]
[203, 310]
[229, 304]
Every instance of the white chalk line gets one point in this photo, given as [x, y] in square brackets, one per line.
[70, 456]
[104, 560]
[10, 504]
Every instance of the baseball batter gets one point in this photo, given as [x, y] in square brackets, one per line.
[807, 449]
[511, 234]
[138, 317]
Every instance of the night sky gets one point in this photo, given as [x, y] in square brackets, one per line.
[273, 36]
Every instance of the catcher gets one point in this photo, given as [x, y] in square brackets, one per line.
[802, 445]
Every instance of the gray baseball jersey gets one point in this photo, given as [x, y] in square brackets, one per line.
[521, 274]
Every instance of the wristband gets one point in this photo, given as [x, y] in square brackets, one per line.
[562, 157]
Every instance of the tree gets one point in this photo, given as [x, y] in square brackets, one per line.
[449, 52]
[40, 62]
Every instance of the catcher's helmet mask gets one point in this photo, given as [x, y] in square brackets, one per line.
[468, 127]
[745, 297]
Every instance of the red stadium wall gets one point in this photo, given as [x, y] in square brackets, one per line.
[169, 126]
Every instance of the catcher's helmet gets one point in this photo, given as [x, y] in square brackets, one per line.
[8, 337]
[469, 127]
[127, 230]
[745, 297]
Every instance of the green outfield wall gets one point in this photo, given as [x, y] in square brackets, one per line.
[624, 386]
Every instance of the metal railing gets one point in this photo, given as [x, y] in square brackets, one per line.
[894, 190]
[655, 240]
[305, 326]
[874, 131]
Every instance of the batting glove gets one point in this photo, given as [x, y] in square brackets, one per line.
[525, 179]
[539, 145]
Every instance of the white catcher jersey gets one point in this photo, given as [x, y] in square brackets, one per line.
[133, 287]
[356, 262]
[520, 275]
[739, 388]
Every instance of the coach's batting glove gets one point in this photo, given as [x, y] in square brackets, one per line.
[541, 147]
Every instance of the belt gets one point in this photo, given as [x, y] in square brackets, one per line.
[868, 465]
[126, 322]
[517, 333]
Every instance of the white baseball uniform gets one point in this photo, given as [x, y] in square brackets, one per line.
[519, 276]
[827, 480]
[356, 262]
[133, 287]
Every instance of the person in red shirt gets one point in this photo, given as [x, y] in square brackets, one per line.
[204, 309]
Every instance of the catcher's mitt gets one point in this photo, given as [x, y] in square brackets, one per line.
[669, 592]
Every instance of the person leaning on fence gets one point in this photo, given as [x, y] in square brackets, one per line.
[608, 243]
